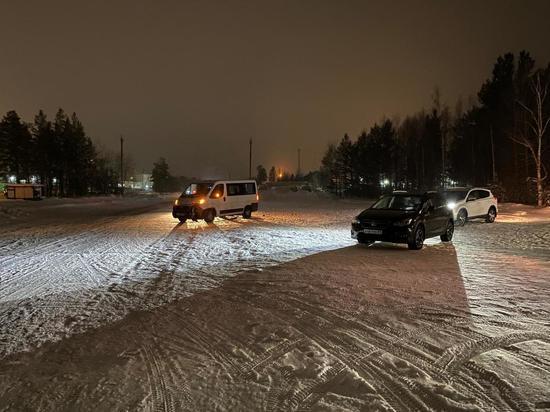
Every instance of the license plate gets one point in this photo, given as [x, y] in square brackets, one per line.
[372, 231]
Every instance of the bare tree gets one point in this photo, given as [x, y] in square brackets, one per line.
[536, 121]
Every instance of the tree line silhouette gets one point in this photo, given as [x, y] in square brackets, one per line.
[57, 154]
[500, 140]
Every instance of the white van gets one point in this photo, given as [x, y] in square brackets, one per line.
[208, 199]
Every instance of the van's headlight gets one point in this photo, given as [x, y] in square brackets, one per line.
[201, 201]
[451, 205]
[404, 222]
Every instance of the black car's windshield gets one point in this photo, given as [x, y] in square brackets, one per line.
[399, 203]
[197, 189]
[454, 195]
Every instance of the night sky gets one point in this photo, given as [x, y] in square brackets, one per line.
[193, 81]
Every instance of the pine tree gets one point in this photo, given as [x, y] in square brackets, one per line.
[161, 176]
[16, 151]
[272, 174]
[261, 175]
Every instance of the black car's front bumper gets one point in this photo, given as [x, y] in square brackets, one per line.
[390, 233]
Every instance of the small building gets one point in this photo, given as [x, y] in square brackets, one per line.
[140, 182]
[24, 191]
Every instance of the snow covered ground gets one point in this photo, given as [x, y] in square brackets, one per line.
[281, 312]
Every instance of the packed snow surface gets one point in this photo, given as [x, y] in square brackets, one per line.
[111, 304]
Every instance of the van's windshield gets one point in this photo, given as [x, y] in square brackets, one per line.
[197, 189]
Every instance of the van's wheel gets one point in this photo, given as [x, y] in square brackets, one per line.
[491, 215]
[247, 212]
[182, 219]
[449, 231]
[209, 216]
[417, 240]
[461, 218]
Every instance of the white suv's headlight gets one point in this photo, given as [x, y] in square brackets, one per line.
[451, 205]
[404, 222]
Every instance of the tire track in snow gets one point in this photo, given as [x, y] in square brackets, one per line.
[162, 398]
[458, 354]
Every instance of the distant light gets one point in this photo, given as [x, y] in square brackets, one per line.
[54, 180]
[12, 179]
[280, 175]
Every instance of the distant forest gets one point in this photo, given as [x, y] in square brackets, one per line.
[57, 154]
[501, 140]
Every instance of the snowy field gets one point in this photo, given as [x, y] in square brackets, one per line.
[109, 304]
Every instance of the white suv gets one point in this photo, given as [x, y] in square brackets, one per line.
[471, 203]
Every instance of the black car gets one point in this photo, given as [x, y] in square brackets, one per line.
[404, 217]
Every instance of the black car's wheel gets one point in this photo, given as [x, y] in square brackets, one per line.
[247, 212]
[182, 219]
[449, 231]
[209, 216]
[417, 240]
[491, 215]
[461, 218]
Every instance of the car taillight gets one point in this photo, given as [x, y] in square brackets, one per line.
[257, 197]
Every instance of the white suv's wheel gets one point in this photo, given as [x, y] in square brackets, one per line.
[461, 218]
[491, 215]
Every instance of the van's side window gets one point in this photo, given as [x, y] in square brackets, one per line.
[241, 189]
[250, 188]
[217, 192]
[233, 189]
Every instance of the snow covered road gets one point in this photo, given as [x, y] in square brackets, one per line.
[282, 312]
[71, 267]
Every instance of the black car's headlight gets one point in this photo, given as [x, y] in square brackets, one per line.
[402, 223]
[355, 221]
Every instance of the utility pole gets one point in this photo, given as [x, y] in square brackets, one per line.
[121, 165]
[299, 163]
[493, 154]
[250, 160]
